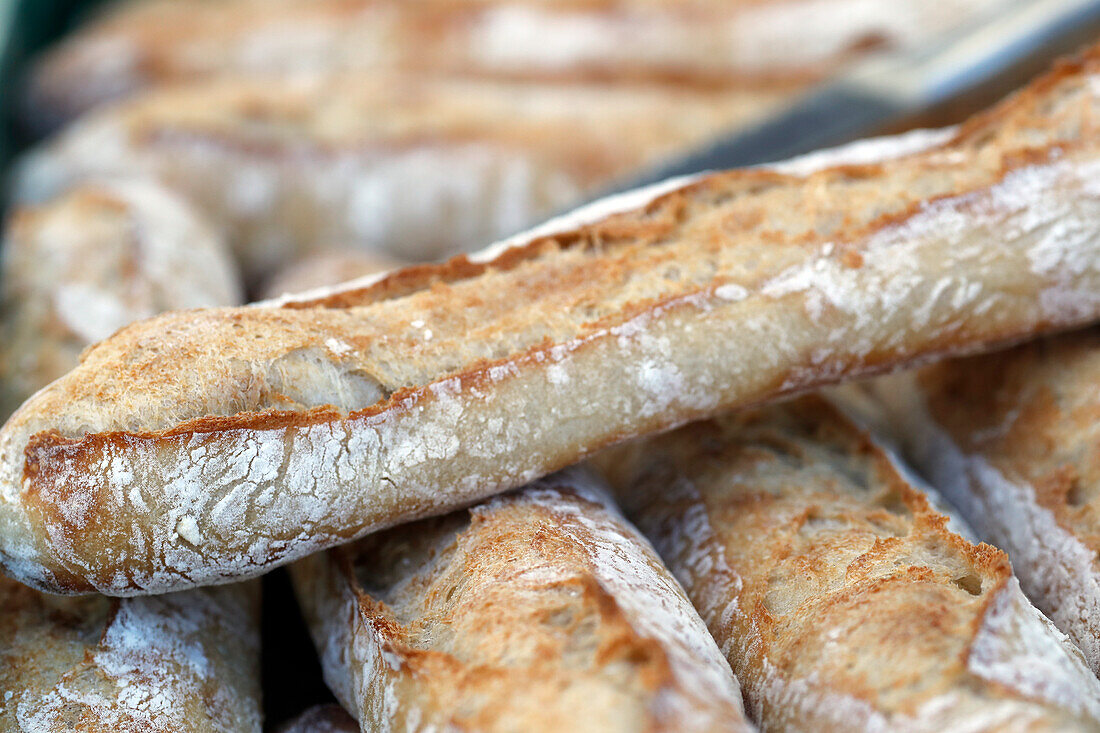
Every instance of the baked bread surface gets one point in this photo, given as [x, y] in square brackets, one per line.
[749, 47]
[839, 596]
[410, 166]
[1011, 439]
[179, 662]
[540, 610]
[203, 446]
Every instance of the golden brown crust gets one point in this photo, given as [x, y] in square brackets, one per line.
[1011, 438]
[185, 661]
[836, 590]
[540, 610]
[447, 383]
[1031, 412]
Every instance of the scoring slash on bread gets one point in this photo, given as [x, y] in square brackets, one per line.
[75, 270]
[179, 662]
[412, 167]
[838, 594]
[540, 610]
[1011, 439]
[750, 45]
[207, 446]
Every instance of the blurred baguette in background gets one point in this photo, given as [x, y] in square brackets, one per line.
[325, 269]
[76, 269]
[408, 167]
[751, 46]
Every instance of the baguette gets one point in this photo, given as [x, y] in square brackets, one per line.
[541, 610]
[322, 719]
[180, 662]
[753, 47]
[325, 269]
[839, 596]
[206, 446]
[409, 167]
[1010, 438]
[75, 270]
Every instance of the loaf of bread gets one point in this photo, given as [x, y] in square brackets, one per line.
[412, 167]
[204, 446]
[180, 662]
[838, 595]
[752, 46]
[541, 610]
[75, 270]
[1011, 439]
[325, 269]
[322, 719]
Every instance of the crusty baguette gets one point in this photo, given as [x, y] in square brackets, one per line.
[753, 45]
[324, 270]
[542, 610]
[322, 719]
[1011, 439]
[204, 446]
[77, 269]
[839, 596]
[180, 662]
[413, 167]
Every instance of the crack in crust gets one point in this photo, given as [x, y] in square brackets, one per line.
[203, 446]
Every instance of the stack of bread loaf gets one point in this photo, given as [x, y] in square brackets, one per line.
[569, 482]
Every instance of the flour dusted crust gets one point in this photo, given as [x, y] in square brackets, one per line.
[1011, 439]
[76, 269]
[205, 446]
[411, 167]
[752, 46]
[537, 610]
[179, 662]
[834, 588]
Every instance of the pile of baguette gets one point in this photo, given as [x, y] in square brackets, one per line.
[633, 469]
